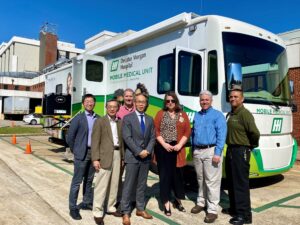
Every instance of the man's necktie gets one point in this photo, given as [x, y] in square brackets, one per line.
[142, 124]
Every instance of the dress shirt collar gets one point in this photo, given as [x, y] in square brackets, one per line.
[92, 114]
[238, 109]
[112, 119]
[139, 114]
[129, 109]
[205, 111]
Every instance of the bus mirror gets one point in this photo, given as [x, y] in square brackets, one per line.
[291, 83]
[234, 76]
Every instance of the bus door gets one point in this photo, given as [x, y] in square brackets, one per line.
[189, 78]
[94, 81]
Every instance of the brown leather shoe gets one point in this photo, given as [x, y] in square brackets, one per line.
[126, 219]
[116, 214]
[143, 214]
[210, 218]
[197, 209]
[99, 220]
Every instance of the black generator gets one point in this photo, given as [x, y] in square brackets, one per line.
[54, 104]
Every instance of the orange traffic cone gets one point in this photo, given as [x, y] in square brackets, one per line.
[28, 148]
[14, 139]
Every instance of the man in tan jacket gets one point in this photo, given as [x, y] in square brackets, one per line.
[107, 157]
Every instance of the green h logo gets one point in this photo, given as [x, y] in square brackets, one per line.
[276, 126]
[114, 65]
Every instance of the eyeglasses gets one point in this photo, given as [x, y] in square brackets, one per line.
[141, 102]
[169, 101]
[111, 107]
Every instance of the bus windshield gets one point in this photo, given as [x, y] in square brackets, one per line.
[264, 68]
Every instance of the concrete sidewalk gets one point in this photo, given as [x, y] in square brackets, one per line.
[32, 191]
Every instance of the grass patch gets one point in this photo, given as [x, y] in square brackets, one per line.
[21, 130]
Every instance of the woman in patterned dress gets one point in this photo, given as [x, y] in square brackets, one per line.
[172, 132]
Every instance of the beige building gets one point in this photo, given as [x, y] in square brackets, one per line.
[22, 54]
[22, 59]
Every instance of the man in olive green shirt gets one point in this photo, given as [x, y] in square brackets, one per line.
[242, 137]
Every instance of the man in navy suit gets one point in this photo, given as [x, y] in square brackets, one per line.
[79, 140]
[139, 138]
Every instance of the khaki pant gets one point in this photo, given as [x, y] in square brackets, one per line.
[209, 178]
[106, 183]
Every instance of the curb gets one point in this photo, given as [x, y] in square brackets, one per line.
[25, 134]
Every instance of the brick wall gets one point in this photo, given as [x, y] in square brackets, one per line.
[37, 87]
[294, 75]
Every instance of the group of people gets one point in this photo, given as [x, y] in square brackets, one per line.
[127, 137]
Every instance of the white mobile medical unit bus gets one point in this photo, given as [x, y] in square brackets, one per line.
[189, 53]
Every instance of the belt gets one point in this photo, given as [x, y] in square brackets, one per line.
[204, 146]
[238, 146]
[116, 148]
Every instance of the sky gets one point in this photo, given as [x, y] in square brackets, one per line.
[78, 20]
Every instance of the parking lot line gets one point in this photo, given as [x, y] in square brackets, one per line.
[162, 218]
[289, 206]
[154, 214]
[43, 159]
[277, 203]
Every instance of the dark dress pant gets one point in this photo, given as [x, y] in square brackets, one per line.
[83, 172]
[170, 176]
[237, 165]
[136, 175]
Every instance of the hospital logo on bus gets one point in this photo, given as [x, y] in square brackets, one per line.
[276, 126]
[114, 65]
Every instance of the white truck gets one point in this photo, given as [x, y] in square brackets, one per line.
[15, 105]
[189, 53]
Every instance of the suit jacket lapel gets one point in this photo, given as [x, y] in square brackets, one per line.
[85, 121]
[147, 121]
[108, 128]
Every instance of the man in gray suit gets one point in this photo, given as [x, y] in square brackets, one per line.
[139, 137]
[79, 140]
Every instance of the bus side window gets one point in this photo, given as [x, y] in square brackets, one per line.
[189, 73]
[212, 72]
[58, 89]
[166, 74]
[94, 71]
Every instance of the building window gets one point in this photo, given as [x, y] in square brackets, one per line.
[5, 86]
[27, 88]
[67, 55]
[16, 87]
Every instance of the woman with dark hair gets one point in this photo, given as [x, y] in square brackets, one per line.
[172, 132]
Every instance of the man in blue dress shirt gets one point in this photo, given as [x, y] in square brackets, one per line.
[209, 136]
